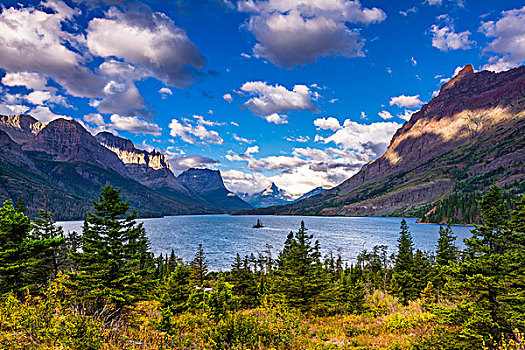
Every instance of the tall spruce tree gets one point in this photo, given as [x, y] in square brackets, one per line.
[403, 283]
[23, 253]
[446, 251]
[299, 275]
[16, 249]
[490, 281]
[446, 255]
[177, 289]
[113, 245]
[199, 267]
[53, 256]
[244, 282]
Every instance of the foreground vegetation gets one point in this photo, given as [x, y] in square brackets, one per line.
[103, 289]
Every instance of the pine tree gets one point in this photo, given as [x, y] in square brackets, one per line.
[490, 281]
[405, 249]
[244, 283]
[446, 254]
[199, 267]
[422, 273]
[113, 246]
[177, 289]
[403, 284]
[299, 276]
[53, 255]
[16, 249]
[221, 300]
[446, 251]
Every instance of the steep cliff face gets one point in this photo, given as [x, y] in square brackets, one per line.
[468, 137]
[210, 185]
[149, 168]
[67, 141]
[63, 167]
[21, 128]
[10, 152]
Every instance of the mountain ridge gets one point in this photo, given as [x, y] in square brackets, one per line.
[210, 185]
[64, 167]
[270, 196]
[467, 138]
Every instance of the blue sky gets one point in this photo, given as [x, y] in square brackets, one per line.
[299, 92]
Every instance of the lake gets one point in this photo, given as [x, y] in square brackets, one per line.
[222, 236]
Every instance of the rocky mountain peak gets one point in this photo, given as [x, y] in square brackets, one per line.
[202, 179]
[149, 168]
[210, 185]
[111, 141]
[465, 71]
[20, 127]
[67, 140]
[272, 188]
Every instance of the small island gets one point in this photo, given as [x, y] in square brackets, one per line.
[258, 224]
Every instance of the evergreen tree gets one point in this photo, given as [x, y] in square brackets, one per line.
[446, 251]
[490, 281]
[221, 300]
[403, 284]
[374, 267]
[299, 276]
[16, 249]
[421, 273]
[113, 246]
[199, 267]
[244, 283]
[73, 243]
[53, 255]
[177, 289]
[172, 262]
[405, 249]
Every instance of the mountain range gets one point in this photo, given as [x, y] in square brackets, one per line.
[61, 167]
[467, 138]
[270, 196]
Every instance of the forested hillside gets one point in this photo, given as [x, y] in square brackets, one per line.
[103, 289]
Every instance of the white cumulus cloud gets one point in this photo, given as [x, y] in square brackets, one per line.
[446, 39]
[148, 39]
[190, 133]
[273, 99]
[30, 80]
[371, 139]
[509, 40]
[385, 115]
[297, 32]
[406, 101]
[228, 98]
[329, 123]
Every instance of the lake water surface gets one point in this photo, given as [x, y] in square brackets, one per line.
[222, 236]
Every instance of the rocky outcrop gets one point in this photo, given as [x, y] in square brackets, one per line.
[68, 141]
[149, 168]
[468, 137]
[210, 185]
[21, 128]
